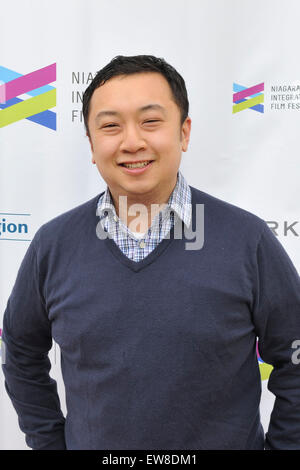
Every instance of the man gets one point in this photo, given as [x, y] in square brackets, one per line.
[158, 342]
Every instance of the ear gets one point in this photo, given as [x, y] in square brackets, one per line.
[92, 148]
[185, 134]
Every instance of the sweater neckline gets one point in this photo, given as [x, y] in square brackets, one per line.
[137, 266]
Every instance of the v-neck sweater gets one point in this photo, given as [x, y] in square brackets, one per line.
[177, 206]
[160, 353]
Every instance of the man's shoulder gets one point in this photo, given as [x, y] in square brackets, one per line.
[69, 220]
[226, 213]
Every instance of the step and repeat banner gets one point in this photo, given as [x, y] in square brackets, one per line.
[240, 62]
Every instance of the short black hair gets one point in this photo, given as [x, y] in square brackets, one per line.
[126, 65]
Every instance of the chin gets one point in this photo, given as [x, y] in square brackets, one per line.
[140, 188]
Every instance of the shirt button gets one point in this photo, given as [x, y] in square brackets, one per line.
[115, 218]
[142, 245]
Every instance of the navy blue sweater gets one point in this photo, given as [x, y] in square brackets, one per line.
[156, 354]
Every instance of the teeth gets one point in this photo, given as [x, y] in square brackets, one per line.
[136, 165]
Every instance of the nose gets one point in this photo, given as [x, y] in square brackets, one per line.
[132, 140]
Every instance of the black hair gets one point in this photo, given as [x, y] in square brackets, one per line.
[126, 65]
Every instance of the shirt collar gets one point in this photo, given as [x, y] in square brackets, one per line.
[179, 201]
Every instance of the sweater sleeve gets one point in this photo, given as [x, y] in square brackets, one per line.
[27, 340]
[276, 315]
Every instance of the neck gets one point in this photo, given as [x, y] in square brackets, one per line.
[139, 219]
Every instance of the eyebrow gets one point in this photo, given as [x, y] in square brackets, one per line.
[143, 108]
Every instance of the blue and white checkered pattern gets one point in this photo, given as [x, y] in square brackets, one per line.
[178, 206]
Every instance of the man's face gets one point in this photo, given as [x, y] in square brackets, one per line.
[128, 133]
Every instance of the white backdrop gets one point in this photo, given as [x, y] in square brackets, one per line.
[247, 158]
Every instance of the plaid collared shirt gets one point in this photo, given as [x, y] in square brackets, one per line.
[178, 206]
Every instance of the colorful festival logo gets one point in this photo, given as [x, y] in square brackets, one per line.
[265, 369]
[34, 84]
[248, 98]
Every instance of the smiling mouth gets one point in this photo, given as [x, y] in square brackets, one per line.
[141, 164]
